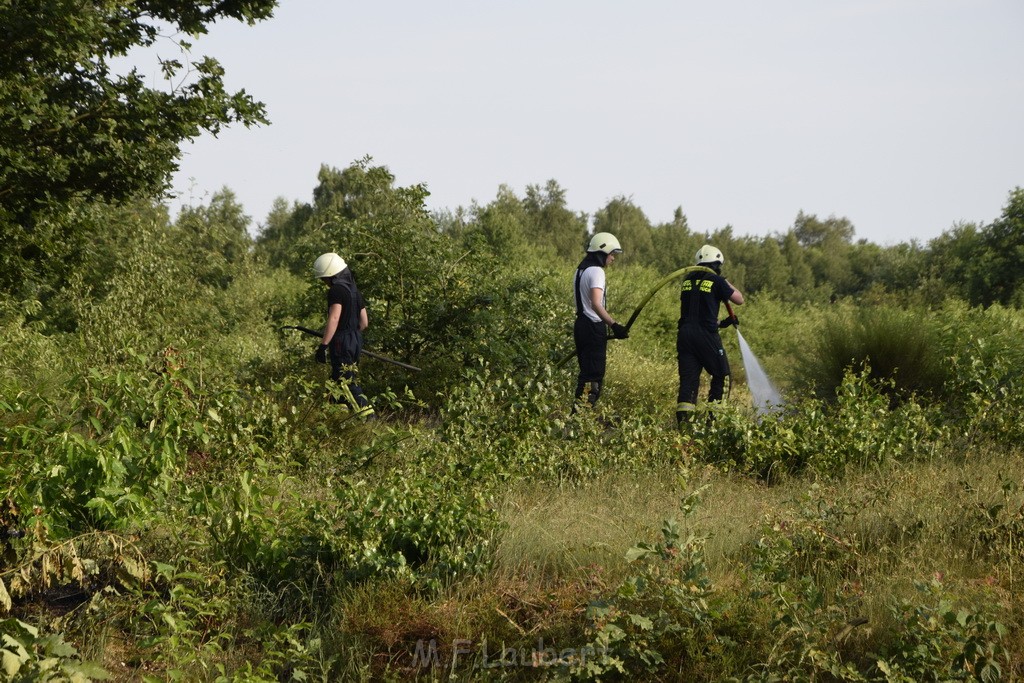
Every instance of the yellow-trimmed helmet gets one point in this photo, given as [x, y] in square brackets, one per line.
[604, 242]
[709, 254]
[329, 264]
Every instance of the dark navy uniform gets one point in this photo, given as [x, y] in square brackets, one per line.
[589, 332]
[698, 343]
[346, 346]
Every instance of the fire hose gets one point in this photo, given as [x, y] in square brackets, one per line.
[643, 302]
[371, 354]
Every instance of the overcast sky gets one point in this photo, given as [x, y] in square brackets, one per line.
[905, 116]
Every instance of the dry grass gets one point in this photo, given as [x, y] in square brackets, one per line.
[555, 533]
[898, 526]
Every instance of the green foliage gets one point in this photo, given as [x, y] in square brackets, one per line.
[29, 357]
[258, 527]
[939, 641]
[1001, 522]
[509, 413]
[26, 655]
[539, 226]
[500, 226]
[827, 247]
[101, 458]
[1002, 255]
[859, 429]
[420, 524]
[665, 608]
[171, 615]
[72, 129]
[217, 239]
[550, 223]
[426, 526]
[504, 428]
[902, 348]
[673, 244]
[809, 620]
[984, 388]
[628, 223]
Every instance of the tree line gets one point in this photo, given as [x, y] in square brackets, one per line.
[75, 135]
[815, 260]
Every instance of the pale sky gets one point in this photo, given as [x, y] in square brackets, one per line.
[904, 116]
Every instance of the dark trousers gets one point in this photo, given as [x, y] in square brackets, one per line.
[698, 348]
[591, 354]
[346, 347]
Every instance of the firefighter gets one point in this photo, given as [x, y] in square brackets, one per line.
[590, 331]
[698, 343]
[346, 319]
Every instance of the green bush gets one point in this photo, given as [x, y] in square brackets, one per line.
[985, 391]
[26, 655]
[940, 641]
[859, 428]
[901, 349]
[423, 525]
[662, 616]
[102, 457]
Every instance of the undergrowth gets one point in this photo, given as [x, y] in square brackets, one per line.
[164, 522]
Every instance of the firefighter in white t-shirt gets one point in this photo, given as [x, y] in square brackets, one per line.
[590, 331]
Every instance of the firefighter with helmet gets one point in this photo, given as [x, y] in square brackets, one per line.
[342, 340]
[590, 331]
[698, 343]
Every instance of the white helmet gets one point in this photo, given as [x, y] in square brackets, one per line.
[605, 242]
[328, 264]
[709, 254]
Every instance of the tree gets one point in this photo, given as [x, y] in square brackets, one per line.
[501, 223]
[550, 221]
[827, 244]
[673, 244]
[284, 225]
[624, 219]
[73, 130]
[215, 238]
[956, 257]
[800, 276]
[766, 268]
[811, 232]
[1003, 242]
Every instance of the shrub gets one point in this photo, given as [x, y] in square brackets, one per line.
[424, 525]
[28, 656]
[939, 641]
[98, 460]
[858, 429]
[985, 390]
[665, 609]
[900, 349]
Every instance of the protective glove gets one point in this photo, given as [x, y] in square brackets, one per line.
[619, 331]
[321, 353]
[731, 320]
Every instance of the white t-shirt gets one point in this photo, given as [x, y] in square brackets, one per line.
[592, 277]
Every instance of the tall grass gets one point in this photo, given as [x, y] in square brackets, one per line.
[504, 519]
[900, 346]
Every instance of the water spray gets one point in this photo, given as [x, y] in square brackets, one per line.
[767, 398]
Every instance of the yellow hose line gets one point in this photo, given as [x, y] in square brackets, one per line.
[650, 295]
